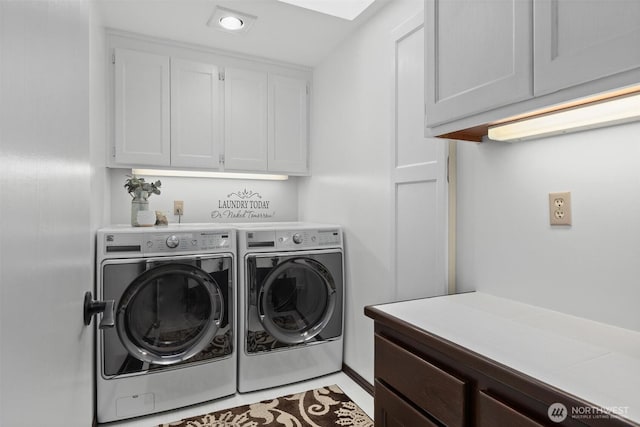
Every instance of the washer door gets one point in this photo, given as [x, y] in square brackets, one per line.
[169, 313]
[296, 300]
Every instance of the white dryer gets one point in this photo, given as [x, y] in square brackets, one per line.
[291, 294]
[170, 298]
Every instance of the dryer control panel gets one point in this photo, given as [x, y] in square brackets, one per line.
[293, 239]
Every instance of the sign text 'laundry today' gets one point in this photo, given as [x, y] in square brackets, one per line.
[243, 204]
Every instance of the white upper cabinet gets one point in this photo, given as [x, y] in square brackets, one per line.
[141, 108]
[580, 41]
[245, 120]
[478, 56]
[288, 118]
[198, 109]
[490, 60]
[196, 125]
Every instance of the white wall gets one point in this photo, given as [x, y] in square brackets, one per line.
[507, 247]
[202, 196]
[350, 137]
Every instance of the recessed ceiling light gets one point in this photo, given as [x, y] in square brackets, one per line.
[345, 9]
[230, 21]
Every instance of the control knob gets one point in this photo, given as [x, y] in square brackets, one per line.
[173, 241]
[297, 238]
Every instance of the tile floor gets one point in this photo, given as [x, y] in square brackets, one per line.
[353, 390]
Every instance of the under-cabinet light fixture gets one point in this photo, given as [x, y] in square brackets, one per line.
[207, 174]
[604, 112]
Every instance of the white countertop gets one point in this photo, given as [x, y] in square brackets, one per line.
[597, 362]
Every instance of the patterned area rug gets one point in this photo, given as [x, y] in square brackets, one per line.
[322, 407]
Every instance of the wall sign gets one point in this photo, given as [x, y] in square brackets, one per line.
[244, 204]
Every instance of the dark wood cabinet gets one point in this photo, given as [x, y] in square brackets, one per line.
[422, 383]
[422, 379]
[491, 412]
[393, 411]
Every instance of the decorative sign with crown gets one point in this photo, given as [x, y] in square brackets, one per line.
[243, 204]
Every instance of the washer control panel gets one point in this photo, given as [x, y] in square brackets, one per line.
[166, 242]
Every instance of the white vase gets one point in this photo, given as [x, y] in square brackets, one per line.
[146, 218]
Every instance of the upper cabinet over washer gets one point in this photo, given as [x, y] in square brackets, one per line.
[288, 124]
[190, 107]
[245, 119]
[196, 124]
[141, 108]
[488, 60]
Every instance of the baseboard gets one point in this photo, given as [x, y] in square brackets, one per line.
[358, 379]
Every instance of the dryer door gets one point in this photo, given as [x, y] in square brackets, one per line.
[297, 299]
[169, 313]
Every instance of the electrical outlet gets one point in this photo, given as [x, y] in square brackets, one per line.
[178, 207]
[560, 208]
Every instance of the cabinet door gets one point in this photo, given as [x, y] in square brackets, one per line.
[195, 114]
[577, 41]
[392, 411]
[245, 119]
[439, 393]
[478, 56]
[288, 118]
[491, 412]
[141, 102]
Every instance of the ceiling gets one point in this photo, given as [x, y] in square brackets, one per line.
[282, 32]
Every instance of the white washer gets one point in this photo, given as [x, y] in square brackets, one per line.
[170, 296]
[291, 292]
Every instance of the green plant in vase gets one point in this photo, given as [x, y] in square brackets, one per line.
[140, 191]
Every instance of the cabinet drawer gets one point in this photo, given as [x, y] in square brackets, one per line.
[427, 386]
[393, 411]
[491, 412]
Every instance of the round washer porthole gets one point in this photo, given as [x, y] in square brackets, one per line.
[297, 299]
[169, 313]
